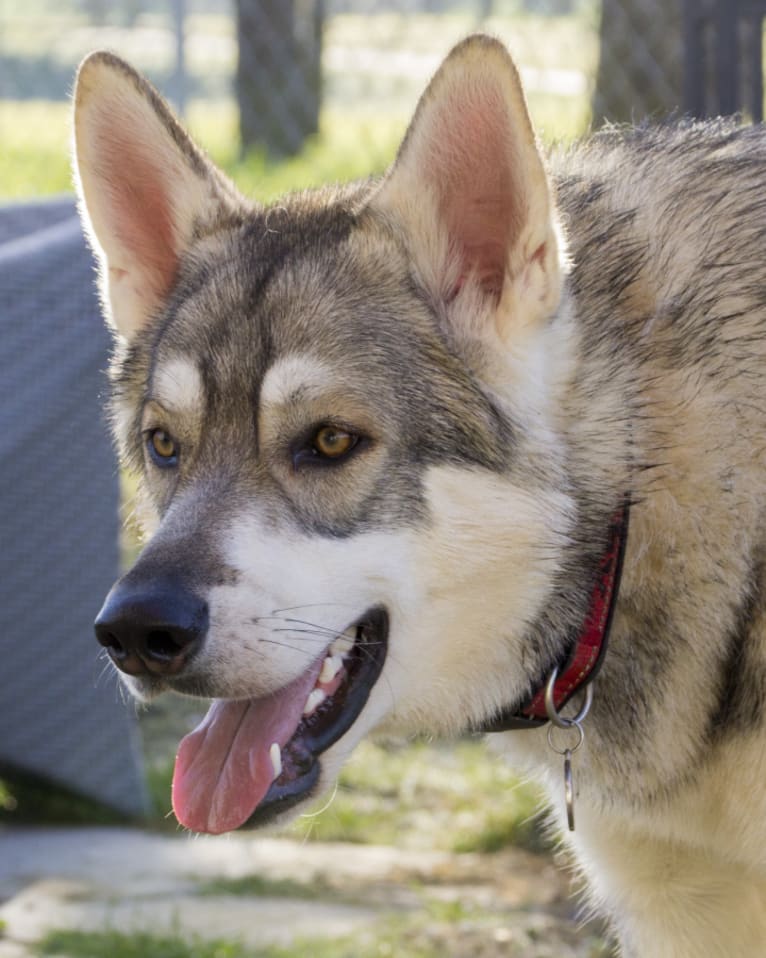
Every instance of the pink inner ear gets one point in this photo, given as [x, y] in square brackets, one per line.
[473, 165]
[139, 210]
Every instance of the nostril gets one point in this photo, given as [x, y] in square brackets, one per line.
[163, 645]
[110, 642]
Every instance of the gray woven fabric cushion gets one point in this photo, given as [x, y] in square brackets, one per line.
[62, 714]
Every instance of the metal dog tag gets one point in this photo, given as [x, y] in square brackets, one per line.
[566, 725]
[569, 789]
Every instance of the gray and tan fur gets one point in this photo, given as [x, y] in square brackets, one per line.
[517, 342]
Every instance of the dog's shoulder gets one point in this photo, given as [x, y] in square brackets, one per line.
[649, 211]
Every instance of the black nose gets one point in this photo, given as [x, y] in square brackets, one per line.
[151, 628]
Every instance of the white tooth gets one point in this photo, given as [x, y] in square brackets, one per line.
[314, 701]
[275, 754]
[330, 668]
[343, 644]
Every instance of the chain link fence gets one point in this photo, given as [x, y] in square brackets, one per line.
[283, 62]
[259, 78]
[275, 68]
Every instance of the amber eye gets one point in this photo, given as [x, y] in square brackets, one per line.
[331, 442]
[162, 448]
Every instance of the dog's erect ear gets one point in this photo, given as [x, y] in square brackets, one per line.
[470, 190]
[145, 190]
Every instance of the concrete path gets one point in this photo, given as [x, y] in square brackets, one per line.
[93, 878]
[129, 880]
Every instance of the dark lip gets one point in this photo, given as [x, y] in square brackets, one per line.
[329, 723]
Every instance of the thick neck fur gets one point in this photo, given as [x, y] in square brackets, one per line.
[652, 415]
[667, 404]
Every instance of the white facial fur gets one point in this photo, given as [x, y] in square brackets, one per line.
[177, 386]
[295, 373]
[459, 591]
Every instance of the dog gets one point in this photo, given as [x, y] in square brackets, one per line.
[414, 450]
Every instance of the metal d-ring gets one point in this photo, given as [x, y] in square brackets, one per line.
[562, 749]
[559, 720]
[574, 725]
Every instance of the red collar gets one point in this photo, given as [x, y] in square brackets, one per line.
[587, 654]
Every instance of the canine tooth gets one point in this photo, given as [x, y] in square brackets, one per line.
[314, 701]
[330, 668]
[343, 644]
[275, 754]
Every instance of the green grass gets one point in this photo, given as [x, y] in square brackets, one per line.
[443, 929]
[256, 886]
[115, 944]
[448, 796]
[34, 160]
[399, 939]
[416, 936]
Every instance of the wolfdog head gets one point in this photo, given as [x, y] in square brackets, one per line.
[345, 411]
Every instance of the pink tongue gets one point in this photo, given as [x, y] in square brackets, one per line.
[223, 768]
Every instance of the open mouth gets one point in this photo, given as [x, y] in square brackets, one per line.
[248, 761]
